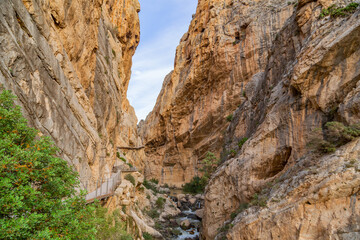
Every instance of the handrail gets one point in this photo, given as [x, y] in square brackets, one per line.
[104, 189]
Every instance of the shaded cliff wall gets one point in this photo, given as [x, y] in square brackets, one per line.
[226, 45]
[311, 77]
[69, 64]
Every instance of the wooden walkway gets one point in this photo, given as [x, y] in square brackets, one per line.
[105, 188]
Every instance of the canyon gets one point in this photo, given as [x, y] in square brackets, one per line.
[253, 82]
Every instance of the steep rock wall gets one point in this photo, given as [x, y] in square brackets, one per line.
[312, 77]
[69, 64]
[227, 43]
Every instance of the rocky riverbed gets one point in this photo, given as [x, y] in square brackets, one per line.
[186, 225]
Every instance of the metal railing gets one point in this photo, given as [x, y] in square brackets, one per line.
[104, 188]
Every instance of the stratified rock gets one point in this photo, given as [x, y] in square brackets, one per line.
[69, 65]
[311, 77]
[226, 44]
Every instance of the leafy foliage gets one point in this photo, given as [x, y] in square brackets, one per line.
[150, 186]
[242, 142]
[334, 135]
[130, 178]
[153, 213]
[38, 197]
[196, 185]
[110, 226]
[210, 163]
[147, 236]
[229, 118]
[335, 11]
[155, 181]
[160, 202]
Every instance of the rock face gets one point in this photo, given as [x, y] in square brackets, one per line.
[311, 77]
[226, 45]
[277, 71]
[69, 64]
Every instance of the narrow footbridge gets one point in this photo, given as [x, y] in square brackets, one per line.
[104, 189]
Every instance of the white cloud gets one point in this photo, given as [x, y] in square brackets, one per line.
[154, 58]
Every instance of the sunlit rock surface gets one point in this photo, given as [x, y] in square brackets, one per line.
[69, 64]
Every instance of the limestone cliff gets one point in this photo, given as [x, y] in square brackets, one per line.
[69, 64]
[226, 45]
[277, 71]
[311, 77]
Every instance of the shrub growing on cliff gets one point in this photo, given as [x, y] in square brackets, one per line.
[229, 118]
[335, 11]
[242, 142]
[38, 199]
[130, 178]
[155, 181]
[334, 135]
[196, 185]
[147, 236]
[110, 226]
[150, 186]
[160, 202]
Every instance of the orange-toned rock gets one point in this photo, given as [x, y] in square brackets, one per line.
[226, 45]
[69, 64]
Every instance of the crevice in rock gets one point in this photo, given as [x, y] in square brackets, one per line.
[274, 165]
[22, 25]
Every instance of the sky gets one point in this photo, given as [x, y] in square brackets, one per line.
[162, 24]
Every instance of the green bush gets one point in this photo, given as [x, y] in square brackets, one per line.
[229, 118]
[242, 142]
[123, 159]
[130, 178]
[153, 213]
[110, 226]
[232, 153]
[118, 155]
[160, 202]
[335, 11]
[257, 200]
[153, 180]
[150, 186]
[147, 236]
[242, 207]
[196, 185]
[334, 135]
[38, 196]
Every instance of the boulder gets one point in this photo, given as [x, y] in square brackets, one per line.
[185, 224]
[199, 213]
[192, 201]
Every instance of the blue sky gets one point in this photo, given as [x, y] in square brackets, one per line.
[162, 24]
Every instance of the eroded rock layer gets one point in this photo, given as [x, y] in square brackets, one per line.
[226, 45]
[69, 64]
[272, 73]
[311, 78]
